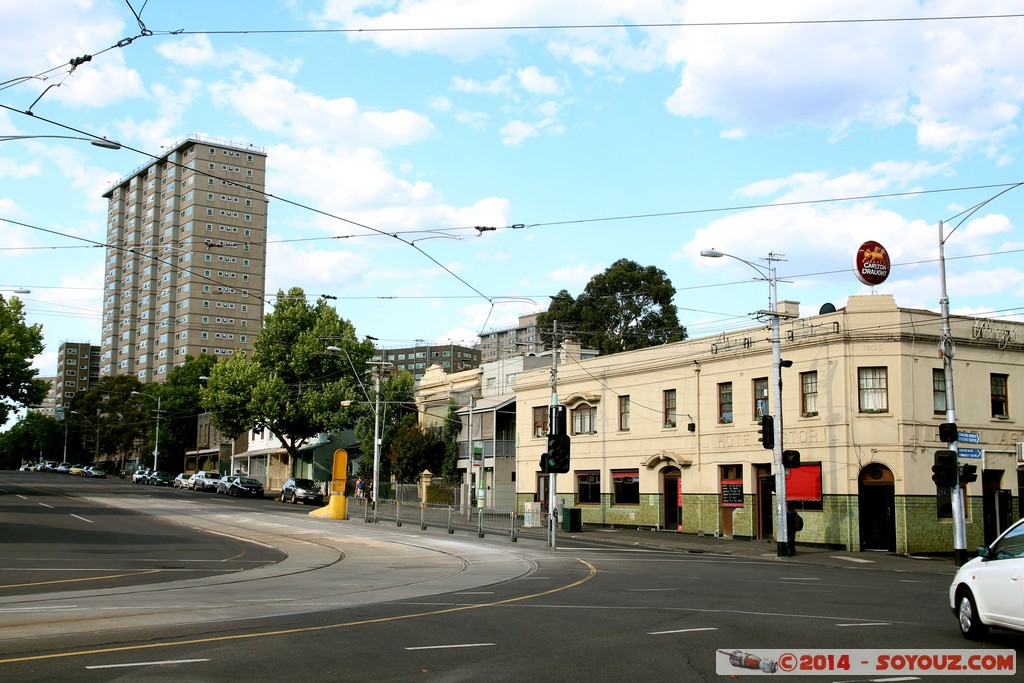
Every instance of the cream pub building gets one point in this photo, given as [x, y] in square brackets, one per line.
[667, 437]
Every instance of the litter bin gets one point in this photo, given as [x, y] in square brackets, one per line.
[572, 520]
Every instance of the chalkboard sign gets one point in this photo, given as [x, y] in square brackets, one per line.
[732, 493]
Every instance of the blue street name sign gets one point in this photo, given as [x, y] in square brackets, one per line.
[968, 437]
[969, 452]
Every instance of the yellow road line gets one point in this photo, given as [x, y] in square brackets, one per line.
[307, 629]
[85, 578]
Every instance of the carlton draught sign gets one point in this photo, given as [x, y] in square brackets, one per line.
[871, 263]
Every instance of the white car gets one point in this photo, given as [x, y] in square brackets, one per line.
[989, 589]
[205, 480]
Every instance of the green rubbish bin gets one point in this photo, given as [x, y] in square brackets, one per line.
[572, 520]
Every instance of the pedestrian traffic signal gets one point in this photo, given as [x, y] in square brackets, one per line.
[944, 471]
[790, 459]
[968, 474]
[948, 432]
[557, 457]
[767, 432]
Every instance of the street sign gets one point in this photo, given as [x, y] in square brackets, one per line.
[968, 437]
[969, 452]
[58, 412]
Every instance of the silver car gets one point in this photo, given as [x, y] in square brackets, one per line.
[989, 589]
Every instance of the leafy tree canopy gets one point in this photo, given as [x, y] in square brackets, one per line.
[19, 344]
[626, 307]
[397, 411]
[34, 438]
[290, 384]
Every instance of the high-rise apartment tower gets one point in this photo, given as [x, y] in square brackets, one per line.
[186, 258]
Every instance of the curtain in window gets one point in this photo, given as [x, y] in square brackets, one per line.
[873, 389]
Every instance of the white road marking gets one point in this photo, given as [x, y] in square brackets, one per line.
[82, 518]
[161, 663]
[874, 623]
[682, 630]
[852, 559]
[446, 647]
[46, 506]
[476, 593]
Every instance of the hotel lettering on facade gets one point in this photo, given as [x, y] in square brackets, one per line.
[668, 436]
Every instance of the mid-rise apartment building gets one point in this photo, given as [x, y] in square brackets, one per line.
[512, 341]
[416, 359]
[186, 258]
[78, 370]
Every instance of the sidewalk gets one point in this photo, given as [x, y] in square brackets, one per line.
[761, 550]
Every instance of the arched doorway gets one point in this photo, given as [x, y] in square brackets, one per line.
[876, 492]
[672, 486]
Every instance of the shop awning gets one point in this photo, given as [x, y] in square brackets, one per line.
[804, 483]
[627, 474]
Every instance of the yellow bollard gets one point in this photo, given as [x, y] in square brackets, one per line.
[336, 508]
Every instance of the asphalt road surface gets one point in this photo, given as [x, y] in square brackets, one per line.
[311, 599]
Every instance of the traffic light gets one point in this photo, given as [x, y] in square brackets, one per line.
[944, 471]
[545, 464]
[790, 459]
[557, 457]
[767, 432]
[968, 474]
[948, 432]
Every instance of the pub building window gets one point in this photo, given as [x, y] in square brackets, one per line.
[588, 487]
[626, 487]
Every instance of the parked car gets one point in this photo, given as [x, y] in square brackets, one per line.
[27, 467]
[140, 476]
[64, 467]
[246, 486]
[306, 490]
[224, 482]
[986, 590]
[77, 470]
[94, 472]
[205, 480]
[181, 481]
[159, 479]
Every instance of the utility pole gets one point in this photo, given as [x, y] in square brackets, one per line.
[552, 477]
[947, 350]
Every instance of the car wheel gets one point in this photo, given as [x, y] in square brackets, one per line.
[283, 499]
[967, 614]
[294, 501]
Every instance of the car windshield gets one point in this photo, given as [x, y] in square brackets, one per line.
[212, 475]
[305, 483]
[248, 481]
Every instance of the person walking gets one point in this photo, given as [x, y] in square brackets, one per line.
[794, 523]
[359, 487]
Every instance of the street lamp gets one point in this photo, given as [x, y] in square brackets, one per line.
[97, 142]
[156, 449]
[768, 273]
[376, 417]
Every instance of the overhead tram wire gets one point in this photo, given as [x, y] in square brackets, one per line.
[268, 195]
[576, 27]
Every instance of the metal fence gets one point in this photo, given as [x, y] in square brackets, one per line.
[513, 524]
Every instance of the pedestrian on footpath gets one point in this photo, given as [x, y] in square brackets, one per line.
[794, 523]
[359, 487]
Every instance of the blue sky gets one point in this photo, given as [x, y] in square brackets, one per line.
[647, 130]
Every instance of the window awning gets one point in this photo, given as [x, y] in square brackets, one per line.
[628, 474]
[804, 483]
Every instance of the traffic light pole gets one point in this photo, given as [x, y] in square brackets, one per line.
[552, 477]
[947, 349]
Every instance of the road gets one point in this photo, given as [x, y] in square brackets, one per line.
[355, 601]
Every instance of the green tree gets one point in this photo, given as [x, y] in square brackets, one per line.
[413, 450]
[180, 406]
[626, 307]
[33, 438]
[290, 384]
[110, 411]
[19, 344]
[397, 410]
[450, 437]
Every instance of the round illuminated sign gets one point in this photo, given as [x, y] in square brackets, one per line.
[871, 263]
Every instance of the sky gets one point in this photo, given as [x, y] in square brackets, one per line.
[576, 133]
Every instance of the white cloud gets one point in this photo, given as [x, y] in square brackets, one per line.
[274, 104]
[515, 133]
[440, 103]
[532, 80]
[502, 85]
[195, 50]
